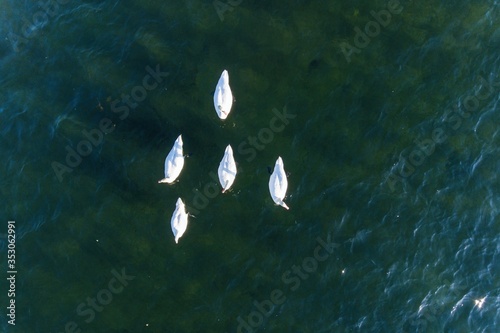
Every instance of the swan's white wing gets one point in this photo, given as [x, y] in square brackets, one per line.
[227, 169]
[174, 162]
[223, 97]
[179, 220]
[278, 183]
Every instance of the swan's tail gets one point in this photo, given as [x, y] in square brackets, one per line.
[282, 204]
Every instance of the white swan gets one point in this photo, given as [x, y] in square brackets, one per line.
[227, 169]
[278, 183]
[174, 162]
[223, 97]
[179, 220]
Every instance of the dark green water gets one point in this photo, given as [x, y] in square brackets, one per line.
[392, 153]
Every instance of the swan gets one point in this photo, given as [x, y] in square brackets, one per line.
[174, 162]
[278, 183]
[223, 98]
[179, 220]
[227, 169]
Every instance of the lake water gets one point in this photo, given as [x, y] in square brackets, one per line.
[385, 114]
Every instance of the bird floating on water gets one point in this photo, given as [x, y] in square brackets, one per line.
[227, 169]
[174, 162]
[179, 220]
[223, 97]
[278, 183]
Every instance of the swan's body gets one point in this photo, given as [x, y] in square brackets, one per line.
[278, 183]
[174, 162]
[227, 169]
[223, 97]
[179, 220]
